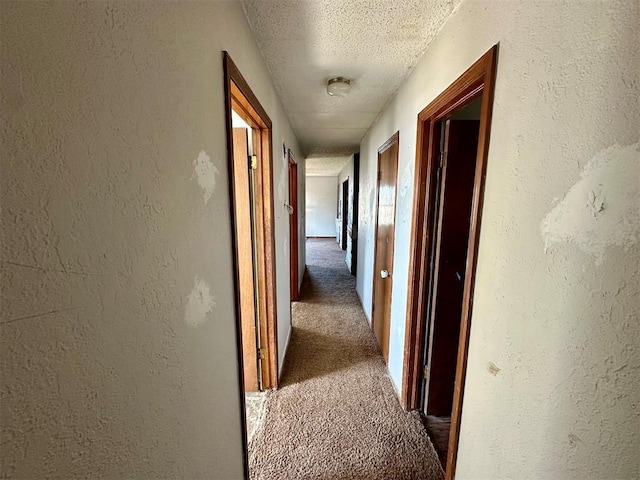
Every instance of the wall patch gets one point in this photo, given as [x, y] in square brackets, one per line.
[199, 302]
[602, 209]
[205, 173]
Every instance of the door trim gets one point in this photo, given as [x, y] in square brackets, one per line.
[393, 140]
[293, 229]
[239, 96]
[478, 79]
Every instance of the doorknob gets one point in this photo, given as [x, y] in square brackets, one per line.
[384, 273]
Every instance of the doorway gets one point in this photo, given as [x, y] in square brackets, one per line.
[453, 136]
[458, 144]
[249, 148]
[293, 228]
[344, 214]
[353, 234]
[384, 241]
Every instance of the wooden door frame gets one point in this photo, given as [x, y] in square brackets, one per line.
[393, 140]
[479, 79]
[239, 97]
[293, 229]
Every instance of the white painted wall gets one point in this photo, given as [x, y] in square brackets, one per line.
[556, 300]
[117, 335]
[321, 206]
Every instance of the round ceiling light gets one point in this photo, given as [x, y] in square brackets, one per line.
[338, 86]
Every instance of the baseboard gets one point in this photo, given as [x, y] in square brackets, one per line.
[284, 356]
[302, 277]
[321, 236]
[363, 309]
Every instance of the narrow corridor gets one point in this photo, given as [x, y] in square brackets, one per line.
[336, 415]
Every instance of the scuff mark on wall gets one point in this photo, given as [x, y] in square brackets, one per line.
[493, 369]
[205, 174]
[603, 208]
[199, 302]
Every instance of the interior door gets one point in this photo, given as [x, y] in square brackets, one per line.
[459, 146]
[293, 228]
[245, 236]
[385, 223]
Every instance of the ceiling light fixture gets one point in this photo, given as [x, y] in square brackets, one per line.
[338, 86]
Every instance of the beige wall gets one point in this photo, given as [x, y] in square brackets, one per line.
[556, 301]
[118, 337]
[321, 206]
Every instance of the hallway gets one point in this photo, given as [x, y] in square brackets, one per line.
[336, 415]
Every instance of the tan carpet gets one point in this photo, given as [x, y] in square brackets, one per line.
[336, 415]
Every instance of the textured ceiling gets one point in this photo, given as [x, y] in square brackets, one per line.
[323, 166]
[375, 43]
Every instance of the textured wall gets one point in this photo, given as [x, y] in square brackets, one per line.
[321, 206]
[117, 334]
[556, 301]
[374, 42]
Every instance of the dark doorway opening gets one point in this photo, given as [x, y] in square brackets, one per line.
[354, 221]
[457, 142]
[344, 213]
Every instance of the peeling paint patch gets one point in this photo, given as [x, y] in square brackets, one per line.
[603, 208]
[205, 174]
[493, 369]
[199, 303]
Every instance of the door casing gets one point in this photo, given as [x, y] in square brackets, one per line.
[239, 97]
[478, 79]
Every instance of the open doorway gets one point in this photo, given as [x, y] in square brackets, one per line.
[453, 136]
[249, 148]
[457, 138]
[344, 213]
[293, 228]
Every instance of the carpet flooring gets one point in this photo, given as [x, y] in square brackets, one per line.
[336, 415]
